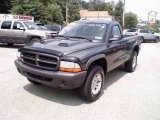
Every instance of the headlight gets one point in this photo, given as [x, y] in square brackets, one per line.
[19, 56]
[48, 35]
[69, 67]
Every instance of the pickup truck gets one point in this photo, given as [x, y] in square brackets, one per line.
[22, 32]
[79, 57]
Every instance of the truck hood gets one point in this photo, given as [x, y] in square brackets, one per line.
[62, 47]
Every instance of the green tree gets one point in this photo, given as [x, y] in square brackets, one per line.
[118, 12]
[101, 6]
[130, 20]
[54, 14]
[85, 5]
[5, 6]
[32, 8]
[73, 10]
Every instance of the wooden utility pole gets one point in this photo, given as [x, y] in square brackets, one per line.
[123, 21]
[66, 10]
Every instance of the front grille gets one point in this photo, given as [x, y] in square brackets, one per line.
[38, 77]
[40, 60]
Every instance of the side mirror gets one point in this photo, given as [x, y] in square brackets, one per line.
[22, 28]
[114, 38]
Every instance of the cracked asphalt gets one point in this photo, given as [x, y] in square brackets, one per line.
[127, 96]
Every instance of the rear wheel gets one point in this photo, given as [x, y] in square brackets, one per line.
[33, 82]
[142, 39]
[156, 40]
[130, 66]
[92, 87]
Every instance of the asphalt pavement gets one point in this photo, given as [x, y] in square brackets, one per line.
[127, 96]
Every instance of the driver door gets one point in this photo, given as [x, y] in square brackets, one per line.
[116, 48]
[19, 35]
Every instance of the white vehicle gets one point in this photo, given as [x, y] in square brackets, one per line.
[146, 35]
[132, 31]
[22, 30]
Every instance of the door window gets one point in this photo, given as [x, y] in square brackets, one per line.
[17, 25]
[6, 25]
[116, 31]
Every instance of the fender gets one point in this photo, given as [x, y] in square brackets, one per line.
[94, 58]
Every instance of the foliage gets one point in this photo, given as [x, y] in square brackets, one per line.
[5, 6]
[73, 10]
[54, 14]
[47, 11]
[130, 20]
[32, 8]
[118, 12]
[54, 11]
[100, 5]
[155, 30]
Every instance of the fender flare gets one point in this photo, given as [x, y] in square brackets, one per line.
[94, 58]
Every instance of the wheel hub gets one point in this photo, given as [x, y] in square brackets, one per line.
[96, 84]
[134, 61]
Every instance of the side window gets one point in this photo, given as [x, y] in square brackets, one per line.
[116, 31]
[6, 25]
[17, 25]
[141, 31]
[145, 31]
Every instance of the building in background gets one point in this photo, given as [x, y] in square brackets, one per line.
[85, 14]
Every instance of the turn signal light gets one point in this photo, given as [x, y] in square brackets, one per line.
[69, 67]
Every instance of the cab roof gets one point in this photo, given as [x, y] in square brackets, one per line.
[97, 21]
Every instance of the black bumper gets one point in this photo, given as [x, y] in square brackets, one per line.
[56, 79]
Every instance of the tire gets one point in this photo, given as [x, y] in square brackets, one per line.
[33, 82]
[95, 77]
[130, 66]
[34, 40]
[10, 44]
[142, 39]
[156, 40]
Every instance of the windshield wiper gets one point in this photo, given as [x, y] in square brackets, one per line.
[66, 37]
[81, 38]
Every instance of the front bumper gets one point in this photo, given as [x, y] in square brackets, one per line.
[56, 79]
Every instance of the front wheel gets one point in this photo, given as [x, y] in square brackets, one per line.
[92, 87]
[130, 66]
[34, 40]
[156, 40]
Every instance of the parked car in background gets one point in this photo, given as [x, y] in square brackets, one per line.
[144, 33]
[56, 28]
[22, 32]
[41, 26]
[132, 31]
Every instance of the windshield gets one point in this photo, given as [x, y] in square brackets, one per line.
[31, 25]
[92, 31]
[53, 27]
[42, 27]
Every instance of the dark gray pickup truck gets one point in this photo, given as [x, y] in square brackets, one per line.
[79, 57]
